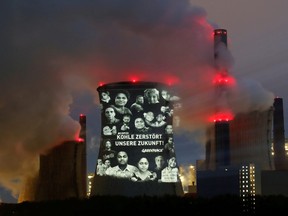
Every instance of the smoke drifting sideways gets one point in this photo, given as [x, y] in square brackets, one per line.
[57, 50]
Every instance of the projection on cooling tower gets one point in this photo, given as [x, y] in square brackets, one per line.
[137, 134]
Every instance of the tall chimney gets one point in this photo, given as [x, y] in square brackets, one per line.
[222, 132]
[82, 121]
[280, 158]
[220, 38]
[222, 143]
[82, 158]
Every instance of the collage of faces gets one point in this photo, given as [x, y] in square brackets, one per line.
[137, 131]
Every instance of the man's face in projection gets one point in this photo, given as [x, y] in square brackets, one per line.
[122, 158]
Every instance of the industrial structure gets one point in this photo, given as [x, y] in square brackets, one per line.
[136, 137]
[218, 133]
[239, 148]
[244, 154]
[280, 156]
[62, 172]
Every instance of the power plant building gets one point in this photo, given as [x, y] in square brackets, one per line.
[247, 140]
[251, 139]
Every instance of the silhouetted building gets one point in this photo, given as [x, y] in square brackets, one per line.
[274, 182]
[235, 180]
[280, 157]
[251, 139]
[61, 173]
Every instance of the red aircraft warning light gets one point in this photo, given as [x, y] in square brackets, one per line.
[220, 32]
[80, 140]
[223, 79]
[220, 35]
[101, 84]
[222, 117]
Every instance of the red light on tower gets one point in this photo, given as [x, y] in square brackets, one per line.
[101, 84]
[220, 35]
[222, 79]
[222, 117]
[80, 140]
[220, 32]
[134, 79]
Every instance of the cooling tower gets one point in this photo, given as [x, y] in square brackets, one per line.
[61, 173]
[251, 139]
[137, 155]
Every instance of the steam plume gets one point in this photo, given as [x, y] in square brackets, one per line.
[56, 49]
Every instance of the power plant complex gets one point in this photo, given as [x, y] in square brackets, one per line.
[244, 153]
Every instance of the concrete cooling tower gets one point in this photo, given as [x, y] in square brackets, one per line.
[137, 155]
[62, 172]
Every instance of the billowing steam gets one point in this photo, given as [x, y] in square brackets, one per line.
[56, 49]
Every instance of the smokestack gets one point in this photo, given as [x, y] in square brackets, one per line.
[220, 36]
[216, 134]
[81, 174]
[220, 53]
[222, 133]
[280, 159]
[82, 121]
[222, 143]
